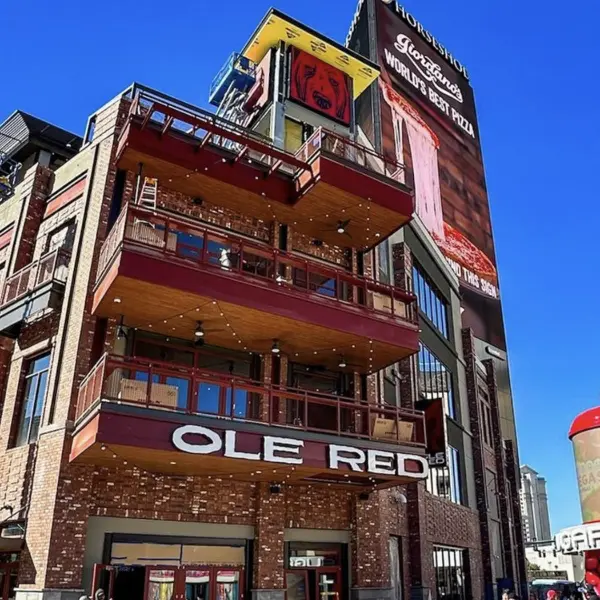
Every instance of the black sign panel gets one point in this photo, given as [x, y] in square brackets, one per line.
[416, 67]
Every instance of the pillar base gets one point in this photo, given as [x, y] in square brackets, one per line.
[372, 594]
[267, 595]
[418, 592]
[48, 594]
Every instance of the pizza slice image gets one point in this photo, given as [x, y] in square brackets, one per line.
[461, 250]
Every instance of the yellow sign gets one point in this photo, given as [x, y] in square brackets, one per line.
[276, 27]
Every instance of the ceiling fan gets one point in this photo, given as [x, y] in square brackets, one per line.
[341, 227]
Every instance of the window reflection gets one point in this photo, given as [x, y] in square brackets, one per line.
[450, 566]
[435, 380]
[431, 301]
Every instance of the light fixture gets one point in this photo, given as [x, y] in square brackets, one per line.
[117, 300]
[275, 347]
[341, 228]
[342, 363]
[199, 330]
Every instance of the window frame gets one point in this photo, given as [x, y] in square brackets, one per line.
[436, 367]
[433, 305]
[70, 226]
[19, 438]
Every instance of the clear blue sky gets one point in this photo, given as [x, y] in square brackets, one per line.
[534, 68]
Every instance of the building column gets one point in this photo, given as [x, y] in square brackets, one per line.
[503, 500]
[481, 492]
[421, 575]
[269, 546]
[370, 548]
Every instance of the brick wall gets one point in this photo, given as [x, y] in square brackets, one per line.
[34, 191]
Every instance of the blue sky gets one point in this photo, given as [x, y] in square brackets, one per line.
[534, 69]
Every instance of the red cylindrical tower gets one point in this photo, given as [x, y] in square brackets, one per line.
[585, 435]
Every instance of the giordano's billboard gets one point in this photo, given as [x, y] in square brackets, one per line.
[428, 122]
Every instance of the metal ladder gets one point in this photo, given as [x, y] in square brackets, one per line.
[149, 193]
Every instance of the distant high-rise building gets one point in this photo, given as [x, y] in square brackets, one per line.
[534, 506]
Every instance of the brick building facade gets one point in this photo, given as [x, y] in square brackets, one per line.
[180, 277]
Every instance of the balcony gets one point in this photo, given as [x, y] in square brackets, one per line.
[165, 273]
[132, 408]
[329, 179]
[38, 286]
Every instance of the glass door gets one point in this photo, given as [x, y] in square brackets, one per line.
[328, 583]
[297, 585]
[103, 579]
[228, 583]
[160, 584]
[208, 583]
[197, 581]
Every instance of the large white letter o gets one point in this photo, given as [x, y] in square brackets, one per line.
[215, 443]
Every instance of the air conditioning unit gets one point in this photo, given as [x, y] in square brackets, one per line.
[13, 531]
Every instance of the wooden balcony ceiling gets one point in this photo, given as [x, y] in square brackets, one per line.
[236, 324]
[333, 192]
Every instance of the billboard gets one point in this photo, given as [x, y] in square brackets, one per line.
[428, 123]
[319, 86]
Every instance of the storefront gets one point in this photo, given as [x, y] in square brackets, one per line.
[168, 568]
[316, 571]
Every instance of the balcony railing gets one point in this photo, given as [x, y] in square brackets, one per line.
[202, 127]
[356, 155]
[194, 391]
[53, 266]
[179, 240]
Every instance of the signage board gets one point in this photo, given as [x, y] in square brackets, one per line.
[435, 425]
[578, 539]
[427, 121]
[319, 86]
[195, 439]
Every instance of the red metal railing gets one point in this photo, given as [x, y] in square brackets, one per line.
[202, 127]
[167, 386]
[184, 120]
[52, 266]
[189, 243]
[328, 142]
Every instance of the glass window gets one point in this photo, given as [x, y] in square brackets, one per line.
[63, 237]
[435, 380]
[388, 383]
[491, 492]
[431, 301]
[384, 274]
[451, 573]
[34, 394]
[445, 482]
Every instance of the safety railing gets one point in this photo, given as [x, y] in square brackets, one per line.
[171, 387]
[54, 266]
[354, 154]
[189, 243]
[171, 116]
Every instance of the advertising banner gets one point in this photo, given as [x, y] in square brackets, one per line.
[320, 86]
[428, 123]
[586, 446]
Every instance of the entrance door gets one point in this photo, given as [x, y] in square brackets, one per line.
[8, 580]
[161, 584]
[328, 583]
[322, 583]
[206, 582]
